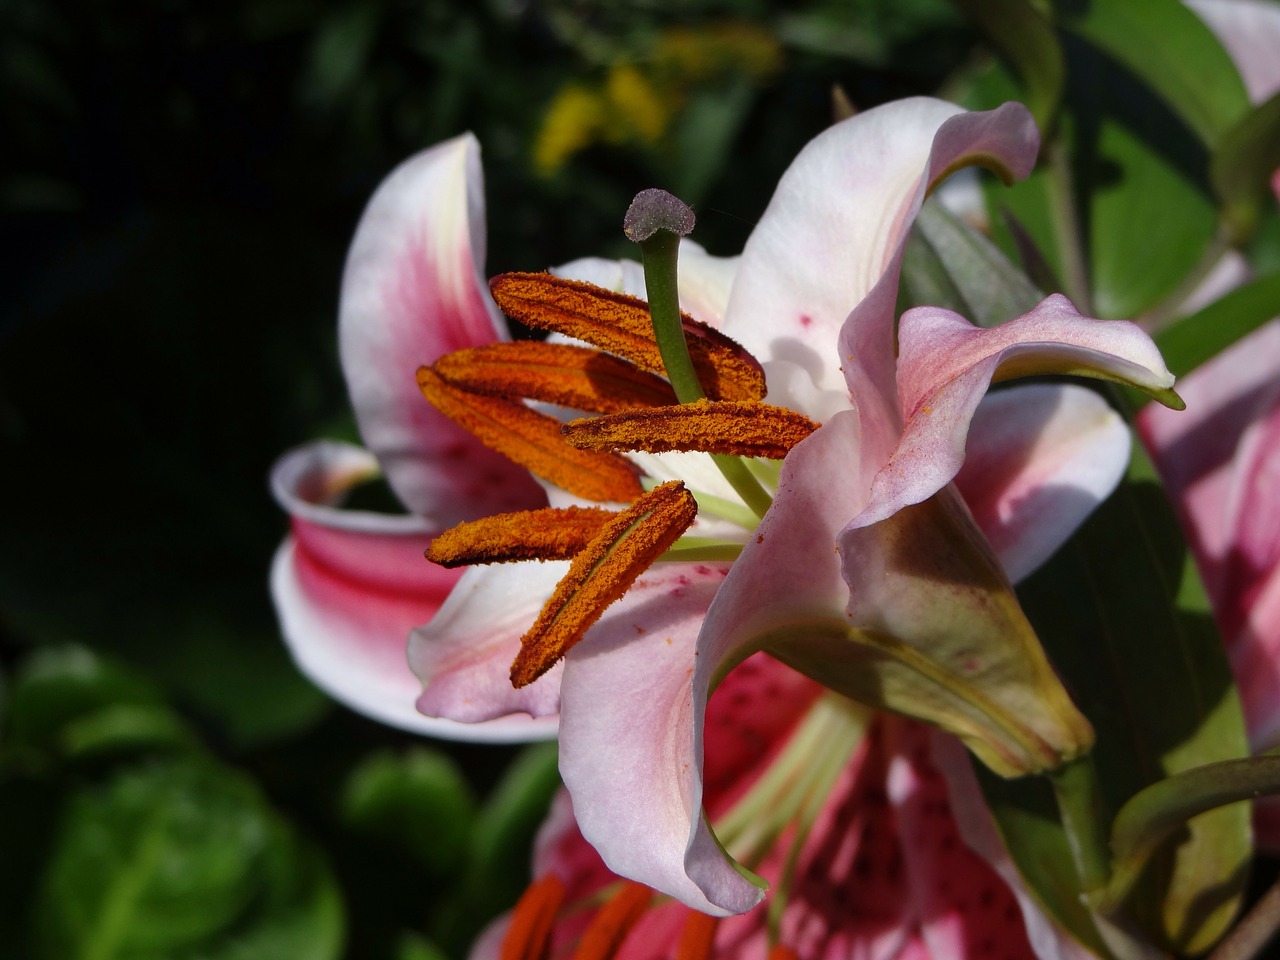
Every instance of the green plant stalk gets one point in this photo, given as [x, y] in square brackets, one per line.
[1075, 787]
[1066, 226]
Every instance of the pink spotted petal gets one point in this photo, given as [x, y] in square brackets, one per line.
[463, 656]
[834, 228]
[1040, 458]
[350, 585]
[631, 742]
[413, 290]
[946, 364]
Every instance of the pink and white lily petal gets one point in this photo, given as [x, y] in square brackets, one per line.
[834, 228]
[463, 656]
[946, 364]
[412, 290]
[1039, 459]
[349, 586]
[631, 742]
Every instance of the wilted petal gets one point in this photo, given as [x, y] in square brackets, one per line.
[1040, 458]
[463, 656]
[413, 290]
[946, 364]
[350, 585]
[631, 743]
[835, 226]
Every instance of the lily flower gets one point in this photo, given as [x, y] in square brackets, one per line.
[871, 562]
[1220, 462]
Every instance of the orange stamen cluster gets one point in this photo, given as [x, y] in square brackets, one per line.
[532, 440]
[549, 534]
[745, 428]
[601, 573]
[484, 390]
[697, 937]
[621, 325]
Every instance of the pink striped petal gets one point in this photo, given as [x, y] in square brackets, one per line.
[350, 585]
[463, 656]
[945, 365]
[1040, 458]
[833, 232]
[413, 290]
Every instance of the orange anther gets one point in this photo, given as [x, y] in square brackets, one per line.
[621, 325]
[528, 936]
[605, 569]
[780, 952]
[612, 922]
[743, 428]
[548, 534]
[559, 373]
[532, 440]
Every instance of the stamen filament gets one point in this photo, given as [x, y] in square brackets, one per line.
[605, 569]
[532, 440]
[694, 549]
[548, 534]
[743, 483]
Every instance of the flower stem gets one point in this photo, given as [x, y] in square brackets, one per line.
[1075, 786]
[1066, 226]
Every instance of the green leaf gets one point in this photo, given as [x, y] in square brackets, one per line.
[1192, 340]
[949, 264]
[1171, 49]
[416, 801]
[1124, 618]
[69, 702]
[1247, 155]
[182, 859]
[1027, 40]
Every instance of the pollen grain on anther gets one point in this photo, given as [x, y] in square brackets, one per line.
[552, 533]
[621, 325]
[601, 573]
[559, 373]
[741, 428]
[532, 440]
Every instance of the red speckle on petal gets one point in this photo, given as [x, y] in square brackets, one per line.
[806, 321]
